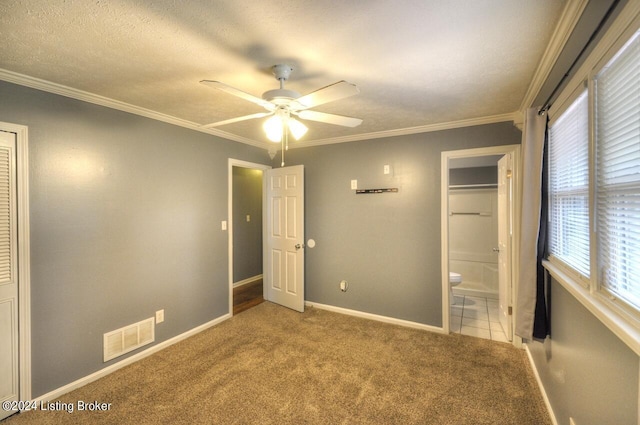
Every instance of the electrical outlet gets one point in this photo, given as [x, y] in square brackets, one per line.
[387, 169]
[159, 316]
[248, 218]
[354, 184]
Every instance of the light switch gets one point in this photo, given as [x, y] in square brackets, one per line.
[387, 169]
[354, 184]
[224, 225]
[248, 218]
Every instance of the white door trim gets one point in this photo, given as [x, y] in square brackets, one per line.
[24, 259]
[514, 150]
[242, 164]
[505, 241]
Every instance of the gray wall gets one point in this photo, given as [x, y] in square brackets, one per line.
[247, 236]
[588, 373]
[125, 220]
[387, 246]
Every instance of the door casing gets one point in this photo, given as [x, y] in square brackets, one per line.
[514, 150]
[505, 237]
[243, 164]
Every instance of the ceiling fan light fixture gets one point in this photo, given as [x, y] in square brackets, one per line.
[283, 104]
[297, 128]
[273, 128]
[280, 96]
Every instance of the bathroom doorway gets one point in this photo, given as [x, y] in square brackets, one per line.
[479, 201]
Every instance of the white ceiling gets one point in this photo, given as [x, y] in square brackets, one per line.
[417, 63]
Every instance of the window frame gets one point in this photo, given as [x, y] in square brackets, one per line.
[625, 305]
[620, 317]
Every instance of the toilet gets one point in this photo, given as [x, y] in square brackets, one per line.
[454, 280]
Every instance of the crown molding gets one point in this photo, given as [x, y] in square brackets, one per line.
[59, 89]
[512, 116]
[568, 20]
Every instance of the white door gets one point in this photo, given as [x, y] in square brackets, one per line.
[8, 277]
[505, 232]
[284, 247]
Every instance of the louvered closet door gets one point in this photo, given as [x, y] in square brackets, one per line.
[8, 276]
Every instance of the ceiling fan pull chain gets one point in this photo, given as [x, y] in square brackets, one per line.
[284, 135]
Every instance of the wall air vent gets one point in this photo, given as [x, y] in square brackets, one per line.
[124, 340]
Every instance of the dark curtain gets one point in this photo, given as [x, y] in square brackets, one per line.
[541, 320]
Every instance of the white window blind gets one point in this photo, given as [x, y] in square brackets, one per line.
[618, 173]
[569, 186]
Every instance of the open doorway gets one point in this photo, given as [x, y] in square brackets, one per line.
[246, 199]
[479, 202]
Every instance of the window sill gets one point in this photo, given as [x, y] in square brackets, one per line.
[622, 327]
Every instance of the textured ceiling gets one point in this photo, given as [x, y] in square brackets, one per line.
[416, 62]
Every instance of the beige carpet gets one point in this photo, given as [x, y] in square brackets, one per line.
[271, 365]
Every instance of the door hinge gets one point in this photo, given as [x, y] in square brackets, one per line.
[510, 311]
[509, 174]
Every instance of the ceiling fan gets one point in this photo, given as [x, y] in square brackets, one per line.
[283, 105]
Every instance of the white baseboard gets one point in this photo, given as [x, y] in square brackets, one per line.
[247, 280]
[129, 360]
[376, 317]
[554, 421]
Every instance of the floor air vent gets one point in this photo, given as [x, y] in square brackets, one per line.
[123, 340]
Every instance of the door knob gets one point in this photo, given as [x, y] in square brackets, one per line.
[298, 246]
[496, 249]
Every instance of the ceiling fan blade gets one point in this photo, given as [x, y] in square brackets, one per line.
[238, 119]
[329, 118]
[239, 93]
[327, 94]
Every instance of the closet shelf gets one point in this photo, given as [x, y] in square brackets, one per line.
[473, 186]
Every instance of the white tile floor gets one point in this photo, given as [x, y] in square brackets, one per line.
[477, 317]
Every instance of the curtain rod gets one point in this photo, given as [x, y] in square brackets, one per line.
[595, 33]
